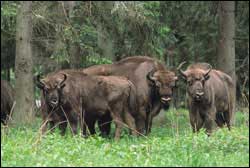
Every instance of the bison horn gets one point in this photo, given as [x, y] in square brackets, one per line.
[150, 75]
[181, 64]
[39, 83]
[61, 84]
[181, 71]
[207, 72]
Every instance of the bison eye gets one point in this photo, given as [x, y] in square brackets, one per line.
[158, 84]
[203, 81]
[189, 83]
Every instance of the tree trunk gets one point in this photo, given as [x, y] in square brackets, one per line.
[104, 39]
[226, 46]
[226, 50]
[24, 91]
[74, 45]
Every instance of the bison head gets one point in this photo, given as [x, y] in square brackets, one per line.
[163, 82]
[51, 90]
[196, 78]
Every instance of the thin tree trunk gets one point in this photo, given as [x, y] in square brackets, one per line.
[74, 46]
[104, 39]
[24, 90]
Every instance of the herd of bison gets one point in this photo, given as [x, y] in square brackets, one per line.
[129, 93]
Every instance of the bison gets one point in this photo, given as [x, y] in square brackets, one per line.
[210, 96]
[153, 82]
[7, 99]
[93, 96]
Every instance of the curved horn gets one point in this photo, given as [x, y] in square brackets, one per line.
[150, 75]
[207, 72]
[181, 64]
[64, 79]
[181, 71]
[39, 83]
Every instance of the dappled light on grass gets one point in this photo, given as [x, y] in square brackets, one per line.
[163, 147]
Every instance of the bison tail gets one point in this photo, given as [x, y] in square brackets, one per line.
[132, 98]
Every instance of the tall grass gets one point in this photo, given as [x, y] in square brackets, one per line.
[170, 144]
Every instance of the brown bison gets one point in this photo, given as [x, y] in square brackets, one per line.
[7, 99]
[210, 96]
[153, 82]
[94, 96]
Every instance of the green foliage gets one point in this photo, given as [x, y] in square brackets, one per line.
[171, 144]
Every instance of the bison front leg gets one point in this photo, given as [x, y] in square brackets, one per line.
[140, 124]
[73, 122]
[209, 120]
[195, 121]
[148, 123]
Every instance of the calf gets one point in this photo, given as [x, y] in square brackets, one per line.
[94, 97]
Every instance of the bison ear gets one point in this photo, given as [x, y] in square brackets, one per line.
[39, 83]
[150, 78]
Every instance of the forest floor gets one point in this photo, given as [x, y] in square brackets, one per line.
[171, 143]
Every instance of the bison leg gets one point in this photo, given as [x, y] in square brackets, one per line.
[62, 128]
[227, 119]
[118, 125]
[148, 123]
[73, 124]
[52, 126]
[196, 121]
[88, 127]
[140, 125]
[84, 132]
[131, 123]
[209, 122]
[118, 129]
[219, 119]
[104, 124]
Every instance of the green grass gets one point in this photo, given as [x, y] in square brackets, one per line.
[169, 144]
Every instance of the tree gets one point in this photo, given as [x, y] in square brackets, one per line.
[24, 90]
[226, 46]
[73, 43]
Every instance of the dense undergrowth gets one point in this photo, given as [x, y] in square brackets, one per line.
[170, 144]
